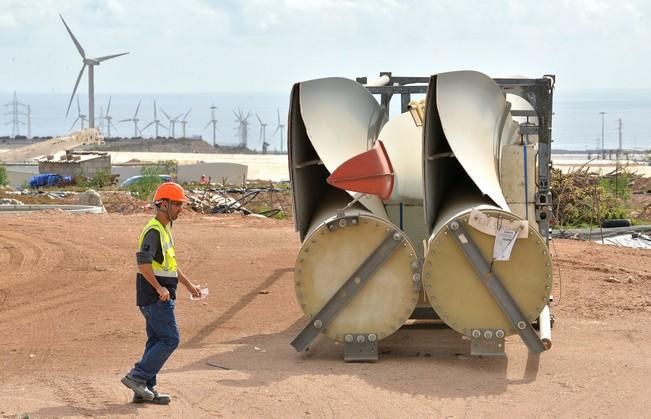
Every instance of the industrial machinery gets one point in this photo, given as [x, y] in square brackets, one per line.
[440, 211]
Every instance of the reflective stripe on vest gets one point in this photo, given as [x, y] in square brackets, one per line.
[168, 267]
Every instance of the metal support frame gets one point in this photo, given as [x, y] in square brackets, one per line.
[538, 92]
[487, 342]
[349, 289]
[360, 347]
[496, 288]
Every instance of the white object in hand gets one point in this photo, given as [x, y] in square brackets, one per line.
[204, 294]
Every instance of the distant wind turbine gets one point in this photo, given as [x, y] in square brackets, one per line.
[243, 128]
[109, 119]
[172, 121]
[136, 131]
[156, 123]
[91, 63]
[263, 134]
[280, 128]
[80, 117]
[184, 121]
[213, 121]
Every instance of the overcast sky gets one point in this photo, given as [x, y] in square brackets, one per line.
[267, 45]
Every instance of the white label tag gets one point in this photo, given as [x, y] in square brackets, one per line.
[504, 241]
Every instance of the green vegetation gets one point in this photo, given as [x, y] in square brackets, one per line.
[99, 180]
[4, 178]
[145, 188]
[583, 199]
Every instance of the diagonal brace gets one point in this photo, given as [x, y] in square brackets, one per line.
[348, 290]
[497, 290]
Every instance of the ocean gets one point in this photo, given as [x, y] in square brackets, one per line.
[576, 122]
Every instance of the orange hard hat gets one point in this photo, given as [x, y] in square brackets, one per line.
[170, 190]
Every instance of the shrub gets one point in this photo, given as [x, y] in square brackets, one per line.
[4, 178]
[145, 187]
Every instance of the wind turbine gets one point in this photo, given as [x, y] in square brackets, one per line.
[100, 118]
[212, 121]
[91, 63]
[263, 134]
[172, 121]
[184, 121]
[135, 120]
[80, 117]
[243, 128]
[155, 122]
[281, 128]
[109, 119]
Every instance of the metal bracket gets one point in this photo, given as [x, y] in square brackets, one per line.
[495, 287]
[348, 290]
[342, 221]
[487, 342]
[360, 347]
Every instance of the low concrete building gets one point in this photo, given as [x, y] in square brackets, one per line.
[77, 163]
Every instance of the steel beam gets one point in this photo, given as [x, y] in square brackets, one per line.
[495, 287]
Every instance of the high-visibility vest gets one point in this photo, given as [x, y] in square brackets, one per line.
[168, 267]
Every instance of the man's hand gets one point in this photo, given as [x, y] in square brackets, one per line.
[195, 290]
[163, 294]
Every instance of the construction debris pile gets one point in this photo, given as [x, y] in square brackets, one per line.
[266, 201]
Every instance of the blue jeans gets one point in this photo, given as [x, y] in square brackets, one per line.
[162, 339]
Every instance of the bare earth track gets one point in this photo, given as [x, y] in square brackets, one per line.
[70, 330]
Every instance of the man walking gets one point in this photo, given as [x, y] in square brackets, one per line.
[156, 284]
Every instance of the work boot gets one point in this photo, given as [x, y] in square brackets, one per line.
[158, 398]
[138, 386]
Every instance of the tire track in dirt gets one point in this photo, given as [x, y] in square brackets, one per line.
[23, 253]
[36, 315]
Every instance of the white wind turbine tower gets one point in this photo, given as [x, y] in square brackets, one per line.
[263, 134]
[136, 131]
[184, 121]
[90, 63]
[243, 128]
[155, 122]
[280, 127]
[212, 121]
[109, 119]
[172, 121]
[80, 117]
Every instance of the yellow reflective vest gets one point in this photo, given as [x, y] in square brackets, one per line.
[168, 267]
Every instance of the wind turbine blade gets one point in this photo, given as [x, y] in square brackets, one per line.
[73, 124]
[137, 107]
[125, 120]
[259, 120]
[236, 115]
[177, 117]
[167, 128]
[278, 112]
[187, 113]
[147, 126]
[75, 89]
[155, 116]
[276, 130]
[109, 106]
[113, 125]
[207, 125]
[108, 57]
[77, 44]
[78, 107]
[165, 113]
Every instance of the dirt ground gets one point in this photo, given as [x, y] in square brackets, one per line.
[70, 330]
